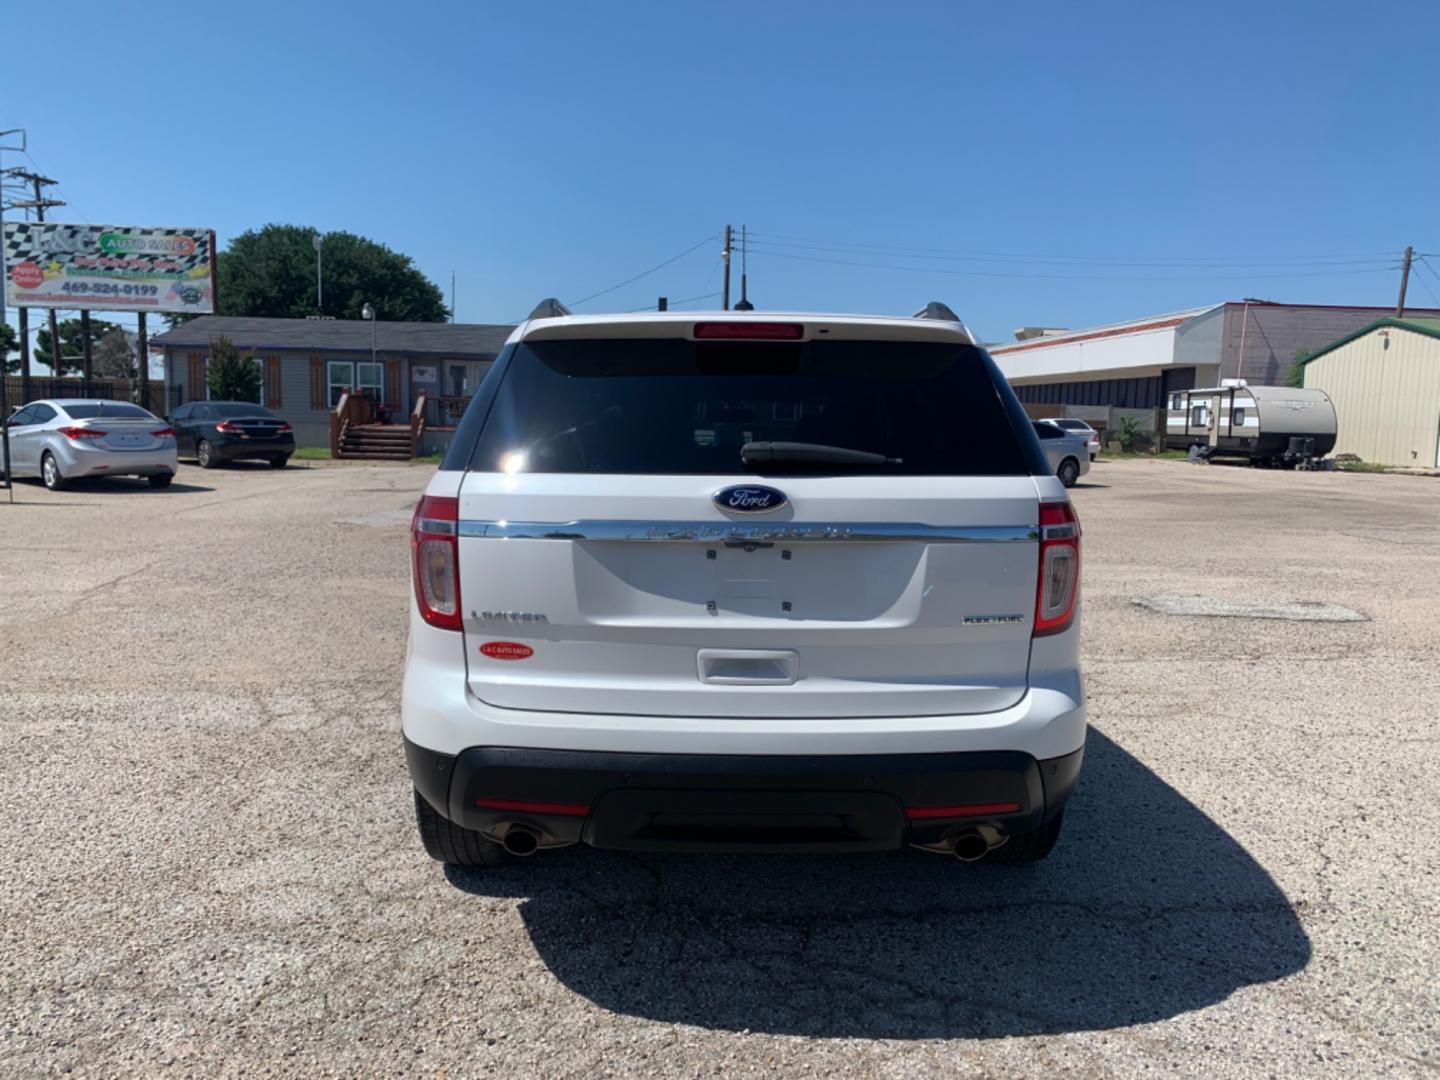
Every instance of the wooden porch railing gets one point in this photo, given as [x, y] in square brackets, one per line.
[350, 409]
[417, 421]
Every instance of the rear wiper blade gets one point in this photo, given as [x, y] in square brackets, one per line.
[804, 453]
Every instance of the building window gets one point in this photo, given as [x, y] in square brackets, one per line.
[340, 375]
[370, 380]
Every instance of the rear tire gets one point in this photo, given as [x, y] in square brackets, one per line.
[50, 472]
[205, 455]
[1068, 472]
[447, 842]
[160, 480]
[1028, 847]
[279, 461]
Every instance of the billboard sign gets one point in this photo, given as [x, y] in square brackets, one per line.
[114, 267]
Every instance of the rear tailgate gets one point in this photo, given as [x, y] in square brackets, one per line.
[654, 602]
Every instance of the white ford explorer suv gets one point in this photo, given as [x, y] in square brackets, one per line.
[744, 582]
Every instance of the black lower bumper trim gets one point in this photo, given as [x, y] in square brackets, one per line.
[741, 803]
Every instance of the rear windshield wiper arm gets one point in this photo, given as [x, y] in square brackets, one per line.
[804, 453]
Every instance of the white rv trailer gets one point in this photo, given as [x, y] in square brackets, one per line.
[1254, 422]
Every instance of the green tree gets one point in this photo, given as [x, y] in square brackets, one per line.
[270, 272]
[1295, 373]
[9, 343]
[72, 344]
[233, 375]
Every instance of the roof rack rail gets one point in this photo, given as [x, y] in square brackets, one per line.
[549, 308]
[936, 310]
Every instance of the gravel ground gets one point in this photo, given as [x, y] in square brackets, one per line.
[208, 863]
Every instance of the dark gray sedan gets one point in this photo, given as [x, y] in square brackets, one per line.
[216, 431]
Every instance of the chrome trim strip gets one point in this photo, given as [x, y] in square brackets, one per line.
[720, 532]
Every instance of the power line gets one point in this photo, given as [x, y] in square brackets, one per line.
[1237, 273]
[58, 191]
[646, 273]
[862, 247]
[1422, 261]
[675, 303]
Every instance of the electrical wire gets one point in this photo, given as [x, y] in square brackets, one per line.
[57, 188]
[1237, 273]
[629, 281]
[1422, 261]
[674, 303]
[900, 250]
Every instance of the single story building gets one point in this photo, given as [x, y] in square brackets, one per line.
[1384, 381]
[307, 364]
[1138, 364]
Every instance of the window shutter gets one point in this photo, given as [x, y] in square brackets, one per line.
[195, 377]
[272, 382]
[317, 383]
[392, 382]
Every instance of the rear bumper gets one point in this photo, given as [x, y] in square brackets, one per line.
[234, 449]
[741, 803]
[76, 462]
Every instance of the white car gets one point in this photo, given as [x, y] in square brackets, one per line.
[64, 439]
[1067, 451]
[1081, 428]
[742, 582]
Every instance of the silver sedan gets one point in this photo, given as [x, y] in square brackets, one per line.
[64, 439]
[1068, 451]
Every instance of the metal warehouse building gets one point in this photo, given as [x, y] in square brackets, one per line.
[1384, 380]
[1138, 364]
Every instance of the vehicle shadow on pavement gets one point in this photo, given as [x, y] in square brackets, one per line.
[102, 485]
[1146, 909]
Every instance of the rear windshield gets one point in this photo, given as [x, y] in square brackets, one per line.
[1072, 425]
[675, 406]
[117, 409]
[239, 409]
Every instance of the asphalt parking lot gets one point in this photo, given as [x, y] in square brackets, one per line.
[208, 863]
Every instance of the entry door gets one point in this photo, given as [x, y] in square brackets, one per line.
[1215, 420]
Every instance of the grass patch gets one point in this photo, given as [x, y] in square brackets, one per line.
[1360, 466]
[1136, 455]
[321, 453]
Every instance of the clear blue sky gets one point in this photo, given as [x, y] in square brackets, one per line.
[558, 150]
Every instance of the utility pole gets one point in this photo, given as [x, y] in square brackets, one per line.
[725, 258]
[452, 296]
[39, 204]
[319, 242]
[1404, 281]
[744, 304]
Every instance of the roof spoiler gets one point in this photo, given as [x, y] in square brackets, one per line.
[936, 310]
[549, 308]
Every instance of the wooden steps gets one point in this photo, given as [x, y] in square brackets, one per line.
[379, 442]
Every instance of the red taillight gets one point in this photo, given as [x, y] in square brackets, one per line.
[227, 425]
[164, 433]
[1058, 586]
[563, 808]
[985, 809]
[283, 429]
[81, 432]
[435, 546]
[750, 331]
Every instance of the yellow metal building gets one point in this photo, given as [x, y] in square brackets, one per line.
[1384, 381]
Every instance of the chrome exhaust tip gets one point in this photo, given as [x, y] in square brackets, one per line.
[970, 845]
[520, 840]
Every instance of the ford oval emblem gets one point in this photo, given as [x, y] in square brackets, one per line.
[749, 499]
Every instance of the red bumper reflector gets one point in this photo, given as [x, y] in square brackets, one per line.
[983, 809]
[565, 809]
